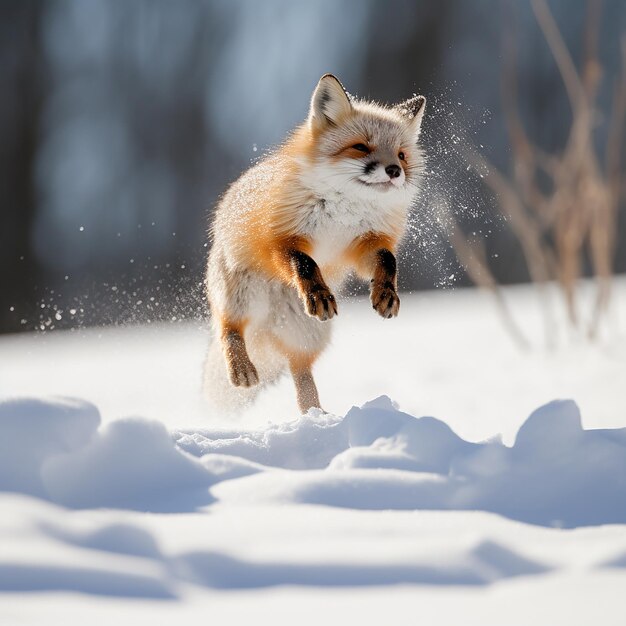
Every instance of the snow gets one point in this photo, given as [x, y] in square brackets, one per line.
[123, 498]
[556, 473]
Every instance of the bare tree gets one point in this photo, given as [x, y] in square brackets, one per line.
[573, 215]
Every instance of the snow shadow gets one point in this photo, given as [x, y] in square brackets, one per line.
[64, 577]
[481, 565]
[41, 549]
[52, 552]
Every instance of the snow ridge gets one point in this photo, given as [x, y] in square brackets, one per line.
[376, 457]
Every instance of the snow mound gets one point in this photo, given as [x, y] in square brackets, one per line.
[33, 430]
[309, 442]
[131, 464]
[376, 457]
[54, 450]
[555, 474]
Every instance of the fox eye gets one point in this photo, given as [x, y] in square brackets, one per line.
[401, 156]
[361, 147]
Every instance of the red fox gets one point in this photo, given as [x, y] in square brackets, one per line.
[332, 199]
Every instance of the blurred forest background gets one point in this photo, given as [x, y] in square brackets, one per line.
[122, 121]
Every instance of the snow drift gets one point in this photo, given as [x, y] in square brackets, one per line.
[376, 457]
[253, 501]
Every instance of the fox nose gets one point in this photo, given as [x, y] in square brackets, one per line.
[393, 171]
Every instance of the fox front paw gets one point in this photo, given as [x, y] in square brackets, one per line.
[242, 373]
[319, 302]
[385, 299]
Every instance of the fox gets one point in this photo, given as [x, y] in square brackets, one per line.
[331, 201]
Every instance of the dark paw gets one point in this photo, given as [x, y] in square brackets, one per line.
[242, 373]
[385, 299]
[320, 303]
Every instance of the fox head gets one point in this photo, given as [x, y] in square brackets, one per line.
[365, 149]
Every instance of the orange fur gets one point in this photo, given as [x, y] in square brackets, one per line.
[353, 153]
[302, 143]
[299, 360]
[267, 231]
[267, 237]
[229, 326]
[361, 253]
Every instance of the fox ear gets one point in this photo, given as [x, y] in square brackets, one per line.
[413, 110]
[330, 103]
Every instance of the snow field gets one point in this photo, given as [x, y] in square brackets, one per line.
[376, 458]
[497, 512]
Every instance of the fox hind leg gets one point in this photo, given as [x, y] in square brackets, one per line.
[231, 294]
[306, 391]
[241, 370]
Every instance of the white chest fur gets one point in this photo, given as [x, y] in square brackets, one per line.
[333, 223]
